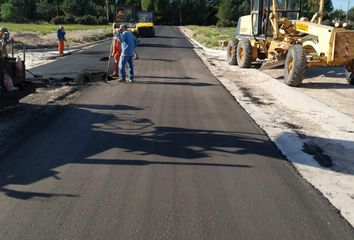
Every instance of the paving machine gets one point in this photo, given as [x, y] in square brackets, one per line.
[13, 84]
[145, 24]
[125, 15]
[276, 34]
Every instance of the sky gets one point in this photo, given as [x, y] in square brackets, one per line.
[342, 4]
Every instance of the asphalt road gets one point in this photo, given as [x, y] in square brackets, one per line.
[172, 156]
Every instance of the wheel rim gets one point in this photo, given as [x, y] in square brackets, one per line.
[231, 52]
[240, 53]
[290, 64]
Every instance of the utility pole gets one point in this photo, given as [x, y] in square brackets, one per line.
[107, 10]
[180, 12]
[346, 20]
[57, 8]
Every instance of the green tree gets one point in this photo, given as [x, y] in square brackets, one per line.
[13, 11]
[230, 10]
[8, 12]
[310, 7]
[45, 10]
[162, 10]
[29, 7]
[351, 14]
[78, 7]
[338, 15]
[147, 5]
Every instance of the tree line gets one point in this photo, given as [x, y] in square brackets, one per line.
[168, 12]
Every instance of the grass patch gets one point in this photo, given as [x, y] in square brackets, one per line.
[43, 29]
[210, 36]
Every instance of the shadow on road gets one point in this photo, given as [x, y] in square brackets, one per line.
[85, 134]
[162, 45]
[163, 77]
[318, 77]
[191, 84]
[28, 195]
[158, 59]
[116, 127]
[146, 163]
[329, 72]
[170, 37]
[324, 85]
[176, 83]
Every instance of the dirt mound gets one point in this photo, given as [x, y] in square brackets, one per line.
[32, 40]
[78, 37]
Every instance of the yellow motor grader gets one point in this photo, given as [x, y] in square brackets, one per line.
[277, 35]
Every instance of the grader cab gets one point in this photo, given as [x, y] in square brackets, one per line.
[276, 34]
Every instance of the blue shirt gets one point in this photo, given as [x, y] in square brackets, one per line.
[60, 34]
[129, 42]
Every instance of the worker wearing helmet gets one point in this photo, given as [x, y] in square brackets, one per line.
[4, 40]
[61, 39]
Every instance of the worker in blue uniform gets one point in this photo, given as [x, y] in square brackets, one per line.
[129, 43]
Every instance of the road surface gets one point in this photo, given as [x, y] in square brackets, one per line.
[172, 156]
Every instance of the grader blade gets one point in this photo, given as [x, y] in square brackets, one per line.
[272, 64]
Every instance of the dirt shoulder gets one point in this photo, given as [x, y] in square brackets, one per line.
[74, 38]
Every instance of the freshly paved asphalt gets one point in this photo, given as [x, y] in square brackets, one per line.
[172, 156]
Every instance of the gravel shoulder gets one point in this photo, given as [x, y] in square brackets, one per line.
[313, 126]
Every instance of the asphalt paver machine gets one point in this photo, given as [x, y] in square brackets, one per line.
[145, 24]
[126, 15]
[276, 34]
[13, 84]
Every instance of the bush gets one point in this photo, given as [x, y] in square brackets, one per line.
[226, 23]
[44, 10]
[88, 20]
[328, 23]
[8, 12]
[78, 20]
[69, 19]
[58, 20]
[102, 20]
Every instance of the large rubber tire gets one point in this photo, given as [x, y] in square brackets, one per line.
[349, 76]
[231, 51]
[295, 66]
[244, 53]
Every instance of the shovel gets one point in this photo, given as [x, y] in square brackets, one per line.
[106, 78]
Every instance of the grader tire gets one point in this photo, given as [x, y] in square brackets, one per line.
[295, 66]
[231, 51]
[244, 53]
[349, 76]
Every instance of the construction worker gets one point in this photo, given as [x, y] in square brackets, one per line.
[116, 52]
[61, 39]
[4, 40]
[120, 15]
[129, 42]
